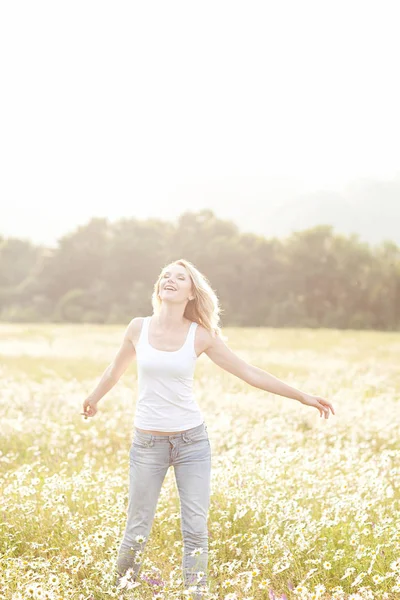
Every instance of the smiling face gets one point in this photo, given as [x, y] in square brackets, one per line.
[175, 284]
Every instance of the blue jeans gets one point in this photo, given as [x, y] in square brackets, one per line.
[150, 457]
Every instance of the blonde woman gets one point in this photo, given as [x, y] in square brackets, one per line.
[169, 427]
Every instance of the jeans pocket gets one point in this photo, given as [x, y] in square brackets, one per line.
[141, 440]
[198, 436]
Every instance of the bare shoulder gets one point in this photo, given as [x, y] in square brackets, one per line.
[205, 339]
[134, 328]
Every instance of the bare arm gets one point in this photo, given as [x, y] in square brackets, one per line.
[113, 372]
[223, 356]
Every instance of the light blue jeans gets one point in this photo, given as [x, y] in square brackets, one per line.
[150, 457]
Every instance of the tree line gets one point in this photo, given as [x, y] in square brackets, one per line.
[104, 272]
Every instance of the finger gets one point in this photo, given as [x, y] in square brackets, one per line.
[327, 405]
[323, 410]
[331, 407]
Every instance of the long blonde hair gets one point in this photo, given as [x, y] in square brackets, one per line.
[205, 307]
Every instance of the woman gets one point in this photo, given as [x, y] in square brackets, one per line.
[169, 426]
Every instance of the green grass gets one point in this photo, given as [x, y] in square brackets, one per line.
[297, 501]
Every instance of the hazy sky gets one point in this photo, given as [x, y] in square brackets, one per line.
[152, 108]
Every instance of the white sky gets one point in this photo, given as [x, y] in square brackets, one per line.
[152, 108]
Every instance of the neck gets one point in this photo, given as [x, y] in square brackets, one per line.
[170, 316]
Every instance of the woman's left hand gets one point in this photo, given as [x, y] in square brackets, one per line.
[320, 403]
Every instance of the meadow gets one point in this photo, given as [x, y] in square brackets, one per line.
[301, 507]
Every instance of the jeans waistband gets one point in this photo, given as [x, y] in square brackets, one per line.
[174, 436]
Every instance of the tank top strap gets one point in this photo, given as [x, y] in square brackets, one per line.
[191, 335]
[143, 337]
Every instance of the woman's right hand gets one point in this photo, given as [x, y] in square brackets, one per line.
[89, 407]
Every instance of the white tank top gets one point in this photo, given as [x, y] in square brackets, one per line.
[165, 385]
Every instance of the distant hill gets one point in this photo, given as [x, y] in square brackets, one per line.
[370, 209]
[269, 206]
